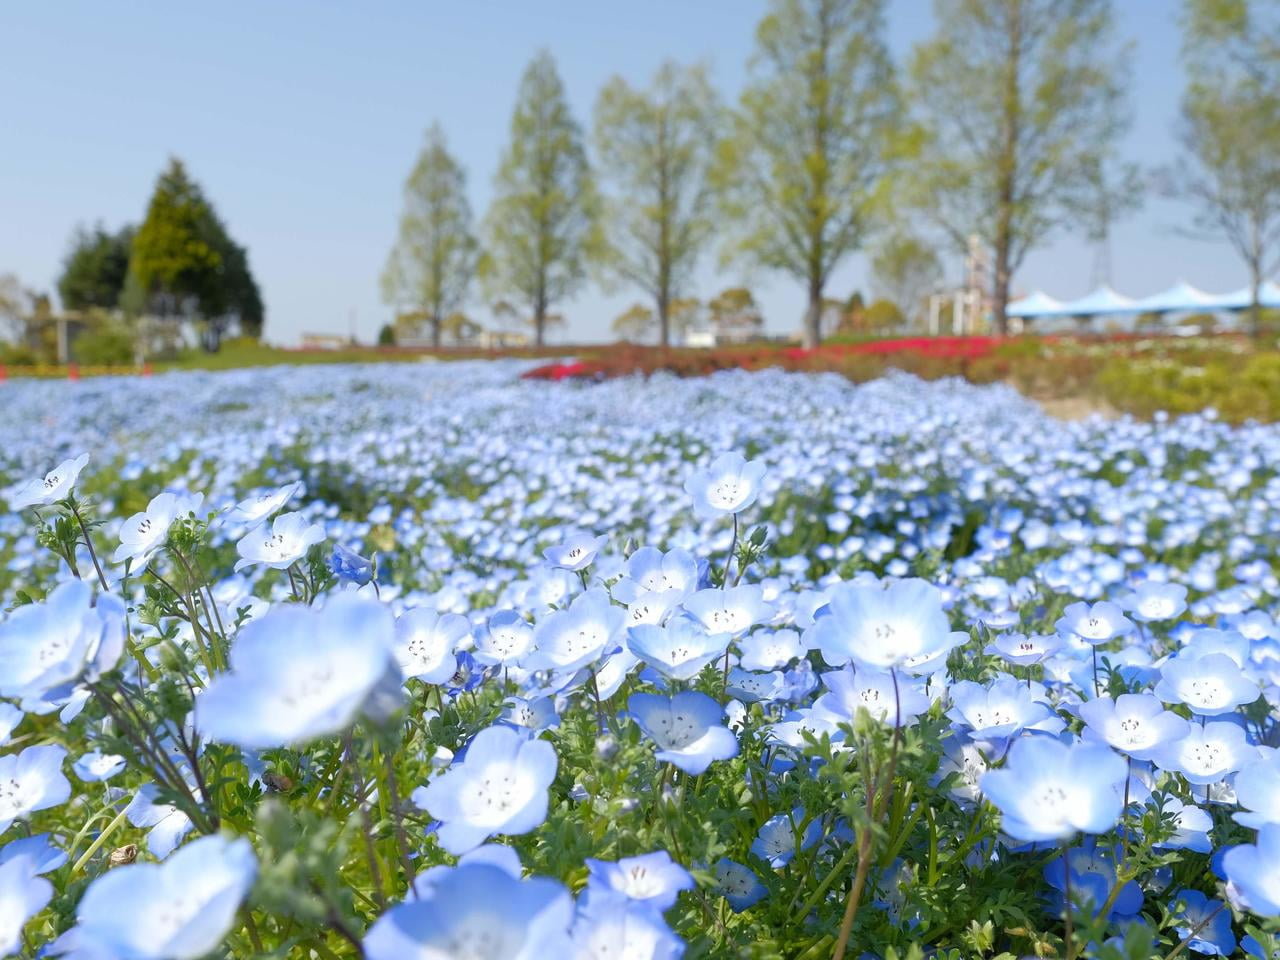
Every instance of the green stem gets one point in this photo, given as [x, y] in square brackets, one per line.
[97, 844]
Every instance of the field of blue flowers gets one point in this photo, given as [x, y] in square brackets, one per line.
[427, 661]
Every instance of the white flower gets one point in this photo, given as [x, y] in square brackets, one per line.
[55, 485]
[426, 641]
[144, 533]
[729, 485]
[31, 780]
[254, 510]
[286, 543]
[97, 765]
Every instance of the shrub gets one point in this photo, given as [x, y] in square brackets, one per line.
[105, 346]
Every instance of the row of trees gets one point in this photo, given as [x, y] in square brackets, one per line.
[1005, 124]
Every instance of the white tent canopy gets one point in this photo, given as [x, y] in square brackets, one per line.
[1182, 297]
[1101, 301]
[1038, 304]
[1179, 298]
[1268, 296]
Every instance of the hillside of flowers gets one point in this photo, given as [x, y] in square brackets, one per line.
[435, 660]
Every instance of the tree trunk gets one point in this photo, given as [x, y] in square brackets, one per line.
[436, 324]
[1255, 301]
[1000, 291]
[813, 316]
[539, 320]
[664, 319]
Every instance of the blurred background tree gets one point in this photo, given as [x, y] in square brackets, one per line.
[94, 271]
[460, 328]
[655, 146]
[905, 269]
[733, 312]
[11, 311]
[184, 265]
[1015, 101]
[540, 226]
[802, 174]
[634, 324]
[432, 264]
[1230, 132]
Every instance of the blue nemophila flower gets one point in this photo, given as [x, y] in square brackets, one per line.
[349, 567]
[653, 879]
[1154, 600]
[1002, 709]
[55, 485]
[775, 843]
[298, 673]
[499, 787]
[1210, 685]
[532, 715]
[95, 766]
[1191, 826]
[1204, 641]
[1093, 879]
[493, 854]
[611, 925]
[178, 910]
[1094, 624]
[734, 610]
[577, 637]
[479, 911]
[1253, 870]
[10, 716]
[882, 627]
[685, 727]
[426, 643]
[31, 780]
[679, 650]
[284, 544]
[253, 510]
[1049, 791]
[649, 571]
[751, 687]
[1207, 923]
[505, 640]
[577, 552]
[1253, 948]
[23, 894]
[146, 532]
[769, 650]
[166, 825]
[1258, 790]
[46, 647]
[1207, 753]
[1134, 723]
[888, 700]
[965, 759]
[1023, 650]
[729, 485]
[38, 849]
[739, 885]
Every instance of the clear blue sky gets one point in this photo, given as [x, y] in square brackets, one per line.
[301, 120]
